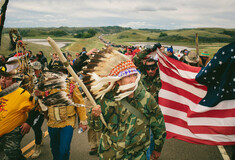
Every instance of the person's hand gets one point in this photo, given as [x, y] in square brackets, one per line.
[84, 127]
[155, 155]
[92, 51]
[25, 128]
[96, 111]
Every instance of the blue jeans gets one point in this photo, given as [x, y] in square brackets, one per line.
[60, 140]
[151, 147]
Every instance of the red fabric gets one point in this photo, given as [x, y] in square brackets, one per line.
[131, 55]
[136, 51]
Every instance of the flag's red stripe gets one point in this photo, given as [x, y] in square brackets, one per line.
[172, 74]
[200, 129]
[175, 121]
[181, 92]
[213, 113]
[195, 140]
[172, 104]
[212, 130]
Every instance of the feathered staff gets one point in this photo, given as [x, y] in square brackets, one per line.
[3, 5]
[56, 80]
[74, 75]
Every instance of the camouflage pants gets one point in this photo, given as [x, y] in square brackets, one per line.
[93, 138]
[10, 143]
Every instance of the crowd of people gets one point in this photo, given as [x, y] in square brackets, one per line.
[125, 85]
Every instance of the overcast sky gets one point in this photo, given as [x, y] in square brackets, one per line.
[157, 14]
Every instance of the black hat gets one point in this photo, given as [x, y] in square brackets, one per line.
[33, 57]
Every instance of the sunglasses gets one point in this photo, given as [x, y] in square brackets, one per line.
[150, 68]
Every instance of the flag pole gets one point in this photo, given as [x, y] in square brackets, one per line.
[74, 75]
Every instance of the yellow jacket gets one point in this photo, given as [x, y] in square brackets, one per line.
[14, 109]
[69, 111]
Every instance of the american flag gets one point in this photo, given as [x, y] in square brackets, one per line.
[198, 104]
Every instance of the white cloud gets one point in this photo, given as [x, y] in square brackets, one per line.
[168, 14]
[137, 25]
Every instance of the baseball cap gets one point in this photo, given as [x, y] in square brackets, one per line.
[37, 65]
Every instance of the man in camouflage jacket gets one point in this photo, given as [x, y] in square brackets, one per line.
[147, 64]
[149, 71]
[127, 136]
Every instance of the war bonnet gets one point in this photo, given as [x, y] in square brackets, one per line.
[11, 68]
[104, 69]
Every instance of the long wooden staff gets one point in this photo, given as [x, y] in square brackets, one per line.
[74, 75]
[197, 47]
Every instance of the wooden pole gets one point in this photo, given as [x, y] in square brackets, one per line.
[197, 47]
[74, 75]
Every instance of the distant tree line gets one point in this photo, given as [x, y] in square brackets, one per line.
[202, 38]
[78, 32]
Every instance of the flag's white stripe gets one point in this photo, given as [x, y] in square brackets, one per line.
[173, 113]
[209, 121]
[211, 137]
[181, 84]
[226, 104]
[198, 121]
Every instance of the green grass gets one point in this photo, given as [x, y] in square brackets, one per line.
[89, 43]
[29, 46]
[181, 37]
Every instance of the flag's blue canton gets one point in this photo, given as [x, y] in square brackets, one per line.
[219, 77]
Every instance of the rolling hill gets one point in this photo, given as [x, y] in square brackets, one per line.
[210, 39]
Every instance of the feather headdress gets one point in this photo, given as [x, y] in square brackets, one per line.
[104, 69]
[11, 70]
[11, 67]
